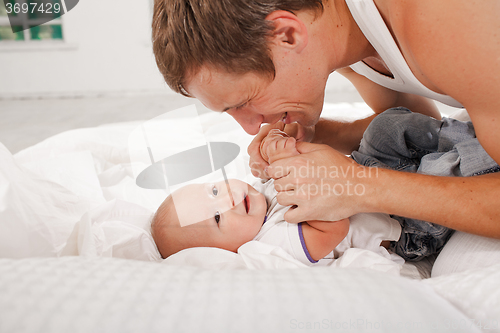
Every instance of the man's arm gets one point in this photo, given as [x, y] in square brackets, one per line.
[322, 237]
[380, 98]
[469, 204]
[341, 136]
[345, 137]
[457, 54]
[461, 60]
[452, 47]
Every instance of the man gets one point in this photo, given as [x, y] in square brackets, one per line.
[268, 62]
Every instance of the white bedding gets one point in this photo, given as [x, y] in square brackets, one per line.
[75, 195]
[74, 294]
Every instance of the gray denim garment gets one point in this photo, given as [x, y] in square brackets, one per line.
[401, 140]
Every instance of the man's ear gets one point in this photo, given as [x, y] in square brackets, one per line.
[289, 31]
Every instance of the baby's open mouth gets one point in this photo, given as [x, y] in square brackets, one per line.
[246, 202]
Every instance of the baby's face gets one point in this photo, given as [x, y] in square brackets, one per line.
[213, 216]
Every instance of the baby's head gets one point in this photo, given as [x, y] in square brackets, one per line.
[209, 215]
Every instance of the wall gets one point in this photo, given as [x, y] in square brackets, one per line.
[107, 50]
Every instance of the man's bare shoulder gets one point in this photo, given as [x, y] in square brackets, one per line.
[451, 45]
[446, 20]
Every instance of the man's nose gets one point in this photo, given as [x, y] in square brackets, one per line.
[250, 122]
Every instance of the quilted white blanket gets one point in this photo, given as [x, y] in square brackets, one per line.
[74, 294]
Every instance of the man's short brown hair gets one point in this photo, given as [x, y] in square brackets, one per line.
[227, 34]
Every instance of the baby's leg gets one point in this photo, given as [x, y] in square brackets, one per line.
[398, 139]
[277, 145]
[402, 140]
[420, 239]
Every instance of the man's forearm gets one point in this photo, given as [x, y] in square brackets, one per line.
[379, 98]
[469, 204]
[341, 136]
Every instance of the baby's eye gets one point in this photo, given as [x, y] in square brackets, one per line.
[215, 191]
[217, 217]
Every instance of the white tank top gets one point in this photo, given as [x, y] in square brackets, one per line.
[369, 20]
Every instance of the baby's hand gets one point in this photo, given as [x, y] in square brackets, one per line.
[277, 145]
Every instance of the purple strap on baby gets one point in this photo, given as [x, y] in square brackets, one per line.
[303, 243]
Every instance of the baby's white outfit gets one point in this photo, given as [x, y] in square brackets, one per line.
[366, 231]
[371, 23]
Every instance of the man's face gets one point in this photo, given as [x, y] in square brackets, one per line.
[252, 99]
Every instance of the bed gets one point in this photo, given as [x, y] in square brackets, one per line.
[76, 255]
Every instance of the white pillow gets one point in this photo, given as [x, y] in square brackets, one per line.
[118, 229]
[475, 293]
[464, 252]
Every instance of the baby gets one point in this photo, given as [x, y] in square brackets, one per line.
[228, 214]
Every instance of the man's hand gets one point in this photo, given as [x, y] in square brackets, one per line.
[320, 184]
